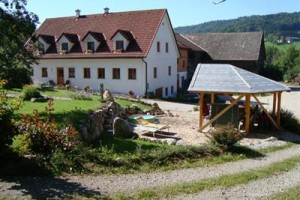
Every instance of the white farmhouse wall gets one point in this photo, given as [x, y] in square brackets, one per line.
[162, 60]
[122, 85]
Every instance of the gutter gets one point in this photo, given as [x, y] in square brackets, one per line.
[146, 81]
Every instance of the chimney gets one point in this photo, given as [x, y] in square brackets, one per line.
[106, 11]
[77, 13]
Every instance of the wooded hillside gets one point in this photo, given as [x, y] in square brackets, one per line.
[281, 24]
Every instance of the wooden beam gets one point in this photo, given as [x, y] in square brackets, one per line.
[278, 108]
[212, 98]
[265, 110]
[201, 102]
[221, 113]
[247, 112]
[274, 104]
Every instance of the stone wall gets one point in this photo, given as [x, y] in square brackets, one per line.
[101, 120]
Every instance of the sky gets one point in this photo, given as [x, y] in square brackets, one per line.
[182, 13]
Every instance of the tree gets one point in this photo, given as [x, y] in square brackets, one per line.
[17, 26]
[290, 63]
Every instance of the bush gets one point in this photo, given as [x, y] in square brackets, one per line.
[150, 95]
[44, 134]
[82, 95]
[226, 136]
[289, 122]
[7, 109]
[30, 91]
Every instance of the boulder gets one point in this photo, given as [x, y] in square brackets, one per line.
[107, 96]
[121, 128]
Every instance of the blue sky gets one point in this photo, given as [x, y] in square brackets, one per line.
[188, 12]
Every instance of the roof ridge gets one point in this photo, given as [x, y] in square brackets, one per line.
[99, 14]
[233, 68]
[193, 42]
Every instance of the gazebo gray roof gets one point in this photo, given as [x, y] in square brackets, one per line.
[226, 78]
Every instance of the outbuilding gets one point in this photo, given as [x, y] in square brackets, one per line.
[230, 80]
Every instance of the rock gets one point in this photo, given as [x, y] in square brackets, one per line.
[107, 96]
[121, 128]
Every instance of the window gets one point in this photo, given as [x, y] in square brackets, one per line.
[119, 45]
[169, 71]
[131, 73]
[71, 72]
[166, 91]
[167, 47]
[86, 73]
[155, 72]
[44, 72]
[172, 89]
[158, 46]
[101, 72]
[116, 73]
[64, 46]
[91, 46]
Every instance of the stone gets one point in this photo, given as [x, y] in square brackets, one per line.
[121, 128]
[108, 96]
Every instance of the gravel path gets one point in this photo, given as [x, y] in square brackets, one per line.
[41, 187]
[254, 190]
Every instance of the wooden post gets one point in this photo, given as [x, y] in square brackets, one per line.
[201, 102]
[274, 104]
[221, 113]
[278, 108]
[247, 111]
[265, 110]
[212, 99]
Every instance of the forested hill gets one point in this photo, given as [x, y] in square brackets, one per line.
[281, 24]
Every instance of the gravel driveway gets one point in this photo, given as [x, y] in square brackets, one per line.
[41, 187]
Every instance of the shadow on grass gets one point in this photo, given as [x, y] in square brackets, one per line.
[124, 146]
[25, 177]
[74, 117]
[248, 152]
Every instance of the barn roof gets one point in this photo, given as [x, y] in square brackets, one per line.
[229, 46]
[226, 78]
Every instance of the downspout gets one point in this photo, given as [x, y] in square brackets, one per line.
[146, 66]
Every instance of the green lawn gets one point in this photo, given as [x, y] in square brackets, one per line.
[282, 47]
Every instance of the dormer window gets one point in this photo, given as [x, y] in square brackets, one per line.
[91, 46]
[119, 45]
[64, 47]
[121, 39]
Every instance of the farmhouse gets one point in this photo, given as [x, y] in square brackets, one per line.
[245, 49]
[125, 51]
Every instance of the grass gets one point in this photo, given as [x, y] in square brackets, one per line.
[291, 194]
[282, 47]
[225, 181]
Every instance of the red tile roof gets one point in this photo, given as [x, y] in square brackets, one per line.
[143, 25]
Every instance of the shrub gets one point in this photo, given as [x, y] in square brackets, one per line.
[82, 95]
[45, 135]
[7, 109]
[150, 95]
[30, 91]
[289, 122]
[226, 136]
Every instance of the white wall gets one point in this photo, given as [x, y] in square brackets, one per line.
[123, 85]
[162, 60]
[182, 74]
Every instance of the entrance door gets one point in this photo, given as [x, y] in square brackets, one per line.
[60, 76]
[159, 92]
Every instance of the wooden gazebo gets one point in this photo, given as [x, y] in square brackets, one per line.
[230, 80]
